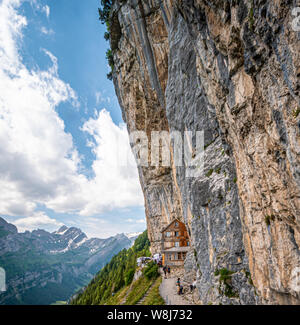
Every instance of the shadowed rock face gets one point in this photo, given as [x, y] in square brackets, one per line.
[231, 69]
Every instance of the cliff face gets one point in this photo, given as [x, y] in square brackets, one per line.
[231, 69]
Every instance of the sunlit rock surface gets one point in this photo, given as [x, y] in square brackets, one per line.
[231, 69]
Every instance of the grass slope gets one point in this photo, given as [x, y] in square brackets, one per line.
[115, 276]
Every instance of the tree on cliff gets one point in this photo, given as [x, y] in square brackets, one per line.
[104, 13]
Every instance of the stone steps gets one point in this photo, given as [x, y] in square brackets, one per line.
[140, 302]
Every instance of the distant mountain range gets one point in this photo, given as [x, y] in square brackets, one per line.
[43, 267]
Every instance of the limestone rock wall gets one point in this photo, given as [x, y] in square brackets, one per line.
[231, 69]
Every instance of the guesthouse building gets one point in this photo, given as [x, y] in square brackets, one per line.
[175, 243]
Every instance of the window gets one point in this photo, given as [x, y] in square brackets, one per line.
[175, 257]
[168, 234]
[187, 243]
[168, 244]
[176, 224]
[177, 244]
[179, 256]
[176, 233]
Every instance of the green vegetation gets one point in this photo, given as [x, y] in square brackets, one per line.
[151, 271]
[235, 180]
[119, 297]
[104, 13]
[225, 279]
[251, 16]
[140, 287]
[110, 60]
[3, 233]
[209, 173]
[224, 274]
[154, 297]
[138, 290]
[28, 260]
[268, 219]
[132, 294]
[296, 112]
[248, 275]
[111, 284]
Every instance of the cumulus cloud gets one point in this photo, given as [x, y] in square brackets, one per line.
[37, 221]
[116, 180]
[39, 163]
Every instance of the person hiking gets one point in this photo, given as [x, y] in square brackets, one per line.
[178, 285]
[192, 287]
[169, 270]
[165, 271]
[194, 284]
[181, 290]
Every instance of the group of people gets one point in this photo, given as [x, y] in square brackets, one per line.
[180, 287]
[167, 270]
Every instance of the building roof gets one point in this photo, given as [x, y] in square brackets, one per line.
[177, 249]
[166, 227]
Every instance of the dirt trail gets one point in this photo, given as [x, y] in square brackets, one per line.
[168, 292]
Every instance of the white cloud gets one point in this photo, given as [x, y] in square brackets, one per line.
[98, 96]
[38, 161]
[47, 31]
[101, 98]
[37, 221]
[46, 10]
[136, 220]
[115, 184]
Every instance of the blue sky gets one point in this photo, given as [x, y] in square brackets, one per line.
[76, 39]
[59, 121]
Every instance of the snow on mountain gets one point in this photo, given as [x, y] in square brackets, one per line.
[132, 234]
[62, 260]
